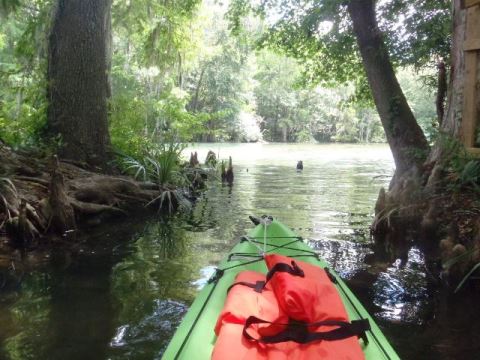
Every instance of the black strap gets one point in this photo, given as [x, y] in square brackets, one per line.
[258, 286]
[298, 332]
[293, 269]
[332, 277]
[216, 276]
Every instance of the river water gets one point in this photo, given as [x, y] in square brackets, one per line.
[123, 290]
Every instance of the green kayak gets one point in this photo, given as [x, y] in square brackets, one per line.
[195, 337]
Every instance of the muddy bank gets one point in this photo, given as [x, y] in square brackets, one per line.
[44, 202]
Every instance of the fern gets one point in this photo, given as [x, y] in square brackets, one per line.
[470, 175]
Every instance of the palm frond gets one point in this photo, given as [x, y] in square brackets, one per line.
[450, 262]
[467, 276]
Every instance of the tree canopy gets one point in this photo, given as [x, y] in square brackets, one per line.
[207, 71]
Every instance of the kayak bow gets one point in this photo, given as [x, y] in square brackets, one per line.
[195, 337]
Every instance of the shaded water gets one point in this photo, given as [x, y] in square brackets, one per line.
[121, 293]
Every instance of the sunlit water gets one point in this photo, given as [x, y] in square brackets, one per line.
[123, 291]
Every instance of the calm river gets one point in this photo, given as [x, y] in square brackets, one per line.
[121, 293]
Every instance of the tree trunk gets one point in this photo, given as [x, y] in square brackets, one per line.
[284, 133]
[405, 137]
[443, 209]
[108, 47]
[441, 91]
[194, 107]
[79, 57]
[180, 71]
[452, 120]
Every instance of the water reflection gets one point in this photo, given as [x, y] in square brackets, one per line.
[124, 289]
[152, 288]
[28, 314]
[401, 290]
[145, 339]
[346, 257]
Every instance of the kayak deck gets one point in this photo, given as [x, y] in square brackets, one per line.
[195, 337]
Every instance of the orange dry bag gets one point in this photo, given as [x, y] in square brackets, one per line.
[309, 298]
[307, 295]
[293, 313]
[243, 301]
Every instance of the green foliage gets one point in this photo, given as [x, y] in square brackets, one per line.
[160, 164]
[219, 85]
[8, 6]
[154, 42]
[463, 168]
[159, 28]
[420, 95]
[456, 156]
[470, 175]
[176, 68]
[169, 200]
[293, 113]
[23, 105]
[424, 34]
[23, 119]
[126, 125]
[320, 35]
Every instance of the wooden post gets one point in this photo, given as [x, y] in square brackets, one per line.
[471, 108]
[470, 3]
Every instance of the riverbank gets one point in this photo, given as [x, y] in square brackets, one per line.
[45, 202]
[440, 215]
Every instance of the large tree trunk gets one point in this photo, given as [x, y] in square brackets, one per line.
[79, 56]
[452, 120]
[452, 117]
[462, 113]
[405, 137]
[443, 208]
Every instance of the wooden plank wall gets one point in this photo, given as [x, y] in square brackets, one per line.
[470, 3]
[471, 108]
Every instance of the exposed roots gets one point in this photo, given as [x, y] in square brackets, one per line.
[40, 197]
[428, 212]
[93, 209]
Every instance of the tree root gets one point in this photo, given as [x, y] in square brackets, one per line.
[93, 209]
[35, 180]
[33, 206]
[62, 217]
